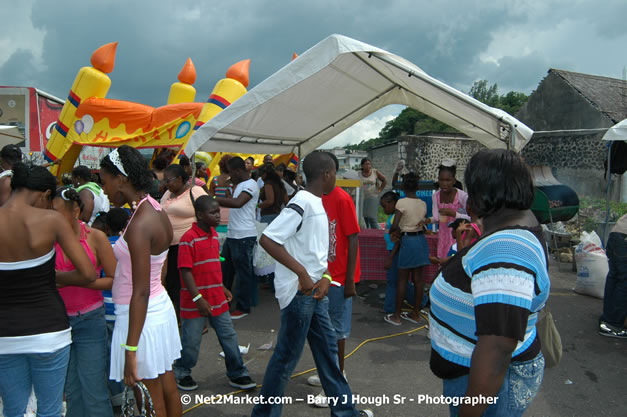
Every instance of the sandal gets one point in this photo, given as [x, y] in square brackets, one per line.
[405, 316]
[388, 319]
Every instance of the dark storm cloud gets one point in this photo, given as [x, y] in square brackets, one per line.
[155, 39]
[21, 68]
[445, 38]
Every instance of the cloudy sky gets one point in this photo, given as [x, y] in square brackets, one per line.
[509, 42]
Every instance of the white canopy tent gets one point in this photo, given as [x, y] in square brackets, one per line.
[617, 132]
[334, 85]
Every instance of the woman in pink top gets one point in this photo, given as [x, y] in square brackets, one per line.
[145, 339]
[86, 390]
[178, 203]
[449, 203]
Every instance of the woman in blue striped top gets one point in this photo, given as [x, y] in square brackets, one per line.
[485, 300]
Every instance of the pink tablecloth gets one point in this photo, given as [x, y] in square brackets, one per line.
[372, 253]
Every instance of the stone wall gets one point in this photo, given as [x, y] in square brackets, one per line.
[566, 150]
[576, 160]
[424, 153]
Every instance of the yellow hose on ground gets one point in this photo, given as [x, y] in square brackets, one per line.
[374, 339]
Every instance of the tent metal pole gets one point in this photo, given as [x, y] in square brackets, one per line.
[299, 168]
[607, 193]
[510, 144]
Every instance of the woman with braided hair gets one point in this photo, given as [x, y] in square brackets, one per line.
[86, 390]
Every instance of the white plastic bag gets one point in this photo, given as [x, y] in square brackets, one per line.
[262, 261]
[592, 266]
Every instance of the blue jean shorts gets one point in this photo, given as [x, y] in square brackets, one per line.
[520, 386]
[340, 311]
[414, 252]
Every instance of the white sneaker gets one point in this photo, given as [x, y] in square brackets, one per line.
[321, 400]
[314, 380]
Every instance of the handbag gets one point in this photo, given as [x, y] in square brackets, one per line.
[550, 339]
[127, 402]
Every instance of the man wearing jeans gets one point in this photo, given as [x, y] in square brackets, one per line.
[241, 236]
[612, 322]
[204, 297]
[299, 240]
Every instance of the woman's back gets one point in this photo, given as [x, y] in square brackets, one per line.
[413, 212]
[29, 301]
[27, 232]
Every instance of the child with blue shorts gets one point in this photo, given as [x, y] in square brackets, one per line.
[409, 219]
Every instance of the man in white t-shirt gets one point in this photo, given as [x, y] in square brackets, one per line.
[241, 236]
[299, 240]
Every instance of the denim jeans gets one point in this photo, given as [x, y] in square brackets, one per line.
[389, 305]
[86, 390]
[520, 386]
[43, 372]
[615, 297]
[268, 218]
[305, 319]
[340, 312]
[238, 259]
[191, 336]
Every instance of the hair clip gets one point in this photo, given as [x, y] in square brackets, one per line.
[115, 159]
[63, 196]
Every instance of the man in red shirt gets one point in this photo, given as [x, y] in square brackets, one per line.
[203, 296]
[343, 266]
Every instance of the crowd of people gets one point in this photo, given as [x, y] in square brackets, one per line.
[114, 281]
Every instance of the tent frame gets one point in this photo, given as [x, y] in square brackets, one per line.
[248, 123]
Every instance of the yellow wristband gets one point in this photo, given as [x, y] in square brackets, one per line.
[327, 276]
[129, 348]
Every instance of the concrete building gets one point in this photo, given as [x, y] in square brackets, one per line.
[569, 113]
[348, 159]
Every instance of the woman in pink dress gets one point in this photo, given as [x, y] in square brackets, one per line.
[449, 203]
[145, 339]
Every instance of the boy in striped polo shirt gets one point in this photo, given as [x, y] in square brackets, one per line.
[203, 296]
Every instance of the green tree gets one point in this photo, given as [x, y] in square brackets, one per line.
[512, 102]
[403, 123]
[483, 93]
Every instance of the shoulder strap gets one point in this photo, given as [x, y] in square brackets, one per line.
[191, 195]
